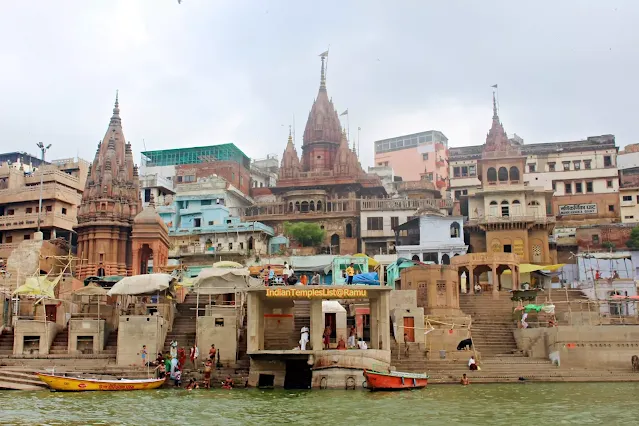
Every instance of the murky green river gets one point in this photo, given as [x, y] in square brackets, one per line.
[516, 404]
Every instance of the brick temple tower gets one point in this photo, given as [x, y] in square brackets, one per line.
[110, 201]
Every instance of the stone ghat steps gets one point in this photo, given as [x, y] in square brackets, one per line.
[6, 342]
[20, 380]
[60, 343]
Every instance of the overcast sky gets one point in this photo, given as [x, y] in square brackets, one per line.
[206, 72]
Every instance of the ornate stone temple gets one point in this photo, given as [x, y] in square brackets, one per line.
[150, 241]
[325, 185]
[110, 202]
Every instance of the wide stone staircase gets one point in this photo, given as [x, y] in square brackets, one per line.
[492, 322]
[184, 325]
[6, 342]
[60, 343]
[302, 313]
[111, 347]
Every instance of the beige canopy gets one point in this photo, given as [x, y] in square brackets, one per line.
[224, 280]
[91, 289]
[141, 284]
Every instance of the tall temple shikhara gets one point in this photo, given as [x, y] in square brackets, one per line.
[324, 185]
[110, 202]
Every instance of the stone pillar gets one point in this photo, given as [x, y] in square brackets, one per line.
[495, 281]
[515, 277]
[375, 326]
[317, 325]
[384, 321]
[254, 323]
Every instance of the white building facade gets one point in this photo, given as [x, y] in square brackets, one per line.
[440, 239]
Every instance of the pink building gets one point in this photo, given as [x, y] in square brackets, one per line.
[420, 156]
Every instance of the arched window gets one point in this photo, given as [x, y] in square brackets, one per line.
[445, 259]
[349, 230]
[297, 206]
[505, 210]
[493, 203]
[533, 203]
[514, 173]
[290, 206]
[304, 207]
[454, 230]
[516, 208]
[502, 174]
[516, 202]
[491, 175]
[312, 206]
[415, 258]
[319, 206]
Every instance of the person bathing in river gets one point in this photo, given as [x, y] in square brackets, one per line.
[192, 384]
[464, 380]
[228, 383]
[207, 373]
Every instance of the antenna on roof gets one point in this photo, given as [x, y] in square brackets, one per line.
[144, 144]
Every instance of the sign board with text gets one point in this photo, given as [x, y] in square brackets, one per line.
[577, 209]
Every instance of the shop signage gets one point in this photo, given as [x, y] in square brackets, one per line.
[316, 293]
[576, 209]
[518, 247]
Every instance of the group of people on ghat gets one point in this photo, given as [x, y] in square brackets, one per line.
[289, 277]
[170, 365]
[342, 344]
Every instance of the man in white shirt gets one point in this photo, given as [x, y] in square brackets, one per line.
[362, 344]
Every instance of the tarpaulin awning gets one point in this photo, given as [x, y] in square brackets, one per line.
[39, 286]
[525, 268]
[371, 262]
[141, 284]
[227, 264]
[223, 280]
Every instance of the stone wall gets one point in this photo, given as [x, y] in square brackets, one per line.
[219, 328]
[436, 287]
[87, 328]
[233, 172]
[273, 367]
[137, 330]
[592, 237]
[582, 346]
[46, 332]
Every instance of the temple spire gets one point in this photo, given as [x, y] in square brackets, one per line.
[290, 135]
[115, 118]
[495, 115]
[323, 77]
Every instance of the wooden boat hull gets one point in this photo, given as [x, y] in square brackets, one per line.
[71, 384]
[394, 381]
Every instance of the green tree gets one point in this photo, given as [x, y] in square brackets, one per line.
[633, 242]
[308, 234]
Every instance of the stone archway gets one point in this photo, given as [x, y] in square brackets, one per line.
[335, 244]
[445, 259]
[145, 253]
[250, 243]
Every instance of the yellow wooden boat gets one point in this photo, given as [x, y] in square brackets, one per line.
[73, 384]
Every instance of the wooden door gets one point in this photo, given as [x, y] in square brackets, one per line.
[51, 312]
[409, 329]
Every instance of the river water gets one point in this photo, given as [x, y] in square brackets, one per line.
[501, 404]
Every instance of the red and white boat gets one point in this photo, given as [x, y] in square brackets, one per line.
[394, 380]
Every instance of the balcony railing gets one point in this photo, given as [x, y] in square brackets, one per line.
[32, 192]
[155, 181]
[199, 250]
[417, 185]
[482, 220]
[344, 205]
[27, 221]
[53, 175]
[405, 204]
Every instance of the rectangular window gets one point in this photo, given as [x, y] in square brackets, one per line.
[8, 239]
[628, 217]
[456, 172]
[578, 188]
[568, 188]
[64, 210]
[551, 167]
[508, 248]
[595, 239]
[609, 183]
[27, 236]
[241, 246]
[241, 180]
[637, 198]
[531, 168]
[611, 207]
[576, 164]
[394, 222]
[554, 186]
[607, 161]
[424, 157]
[375, 223]
[588, 186]
[49, 208]
[189, 178]
[179, 179]
[464, 171]
[205, 202]
[211, 223]
[233, 176]
[457, 195]
[10, 212]
[472, 170]
[197, 222]
[101, 257]
[219, 322]
[627, 197]
[429, 177]
[587, 164]
[147, 195]
[566, 165]
[29, 210]
[230, 246]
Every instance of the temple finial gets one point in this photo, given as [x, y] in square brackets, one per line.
[290, 134]
[116, 106]
[495, 116]
[323, 77]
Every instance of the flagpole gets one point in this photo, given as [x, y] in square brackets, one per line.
[359, 152]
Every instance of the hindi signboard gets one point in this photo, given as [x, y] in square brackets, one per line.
[576, 209]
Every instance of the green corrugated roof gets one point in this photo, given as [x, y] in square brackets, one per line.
[197, 154]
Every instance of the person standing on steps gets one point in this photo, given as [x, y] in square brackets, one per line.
[143, 353]
[195, 353]
[212, 352]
